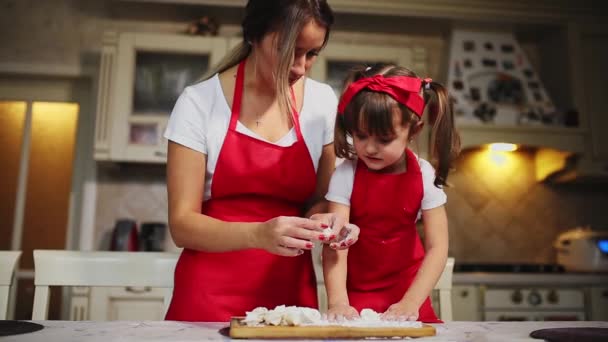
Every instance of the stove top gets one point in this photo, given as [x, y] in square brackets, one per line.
[508, 268]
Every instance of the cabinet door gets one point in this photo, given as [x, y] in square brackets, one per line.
[126, 303]
[465, 303]
[599, 304]
[141, 76]
[594, 55]
[337, 59]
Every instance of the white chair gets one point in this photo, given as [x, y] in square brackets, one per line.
[116, 269]
[8, 261]
[444, 287]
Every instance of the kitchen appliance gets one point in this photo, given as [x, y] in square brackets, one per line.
[583, 250]
[519, 296]
[152, 236]
[124, 236]
[531, 303]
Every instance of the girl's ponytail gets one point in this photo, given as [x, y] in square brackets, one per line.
[445, 140]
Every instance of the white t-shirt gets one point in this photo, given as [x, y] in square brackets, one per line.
[341, 185]
[201, 117]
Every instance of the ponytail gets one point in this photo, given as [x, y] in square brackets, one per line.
[445, 140]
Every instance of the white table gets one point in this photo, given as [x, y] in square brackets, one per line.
[85, 331]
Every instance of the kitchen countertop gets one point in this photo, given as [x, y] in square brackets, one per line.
[87, 331]
[559, 279]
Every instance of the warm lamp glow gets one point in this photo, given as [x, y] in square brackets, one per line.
[503, 147]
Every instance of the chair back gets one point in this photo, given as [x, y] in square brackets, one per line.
[76, 268]
[444, 287]
[8, 261]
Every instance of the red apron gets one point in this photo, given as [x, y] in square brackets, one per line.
[254, 181]
[387, 256]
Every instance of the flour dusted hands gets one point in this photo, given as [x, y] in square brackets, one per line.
[401, 311]
[287, 235]
[343, 234]
[339, 312]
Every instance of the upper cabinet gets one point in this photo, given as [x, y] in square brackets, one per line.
[141, 77]
[593, 54]
[337, 58]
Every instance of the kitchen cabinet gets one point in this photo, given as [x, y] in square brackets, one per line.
[599, 303]
[141, 76]
[465, 303]
[117, 303]
[593, 54]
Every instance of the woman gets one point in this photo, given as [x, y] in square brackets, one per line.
[250, 153]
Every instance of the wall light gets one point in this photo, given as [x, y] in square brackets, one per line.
[502, 147]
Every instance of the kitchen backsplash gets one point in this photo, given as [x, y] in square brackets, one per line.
[130, 191]
[497, 213]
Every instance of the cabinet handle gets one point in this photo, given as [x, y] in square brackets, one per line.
[138, 289]
[160, 154]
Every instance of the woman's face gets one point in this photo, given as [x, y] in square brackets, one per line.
[308, 44]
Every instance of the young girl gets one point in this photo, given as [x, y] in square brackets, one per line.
[382, 187]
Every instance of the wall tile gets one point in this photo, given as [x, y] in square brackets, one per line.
[505, 215]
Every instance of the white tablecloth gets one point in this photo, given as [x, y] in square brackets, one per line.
[85, 331]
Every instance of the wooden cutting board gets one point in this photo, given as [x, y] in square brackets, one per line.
[240, 330]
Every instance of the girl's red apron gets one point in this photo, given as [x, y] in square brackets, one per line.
[254, 181]
[387, 256]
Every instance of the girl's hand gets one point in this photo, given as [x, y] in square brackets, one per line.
[348, 235]
[341, 311]
[343, 234]
[287, 235]
[401, 312]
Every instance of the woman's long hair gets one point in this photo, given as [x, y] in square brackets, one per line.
[287, 18]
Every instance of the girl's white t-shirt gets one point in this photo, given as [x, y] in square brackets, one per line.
[201, 117]
[341, 185]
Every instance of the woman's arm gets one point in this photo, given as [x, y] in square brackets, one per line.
[193, 230]
[326, 167]
[335, 270]
[436, 253]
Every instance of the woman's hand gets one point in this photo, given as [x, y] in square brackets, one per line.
[341, 311]
[287, 235]
[343, 234]
[401, 311]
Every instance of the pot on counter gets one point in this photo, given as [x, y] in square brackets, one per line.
[583, 250]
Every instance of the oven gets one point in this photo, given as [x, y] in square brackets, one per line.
[521, 292]
[515, 303]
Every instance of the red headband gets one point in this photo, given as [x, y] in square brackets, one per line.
[403, 89]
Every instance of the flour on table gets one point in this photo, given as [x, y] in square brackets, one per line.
[302, 316]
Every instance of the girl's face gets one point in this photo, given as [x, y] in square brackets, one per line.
[384, 153]
[308, 44]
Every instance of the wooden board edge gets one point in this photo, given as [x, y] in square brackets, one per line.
[240, 331]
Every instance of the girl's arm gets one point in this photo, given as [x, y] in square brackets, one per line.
[193, 230]
[334, 272]
[436, 249]
[325, 169]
